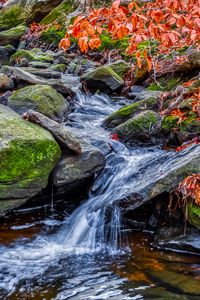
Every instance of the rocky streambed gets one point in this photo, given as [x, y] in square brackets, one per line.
[83, 169]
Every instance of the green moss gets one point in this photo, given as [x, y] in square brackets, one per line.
[129, 111]
[59, 67]
[11, 17]
[59, 13]
[42, 98]
[165, 84]
[109, 43]
[194, 214]
[27, 159]
[28, 153]
[169, 123]
[53, 35]
[13, 35]
[31, 55]
[139, 128]
[120, 67]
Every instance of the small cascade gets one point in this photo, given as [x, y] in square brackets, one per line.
[96, 225]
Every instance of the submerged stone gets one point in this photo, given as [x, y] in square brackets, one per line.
[41, 98]
[28, 154]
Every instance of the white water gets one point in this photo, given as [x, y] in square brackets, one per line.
[96, 224]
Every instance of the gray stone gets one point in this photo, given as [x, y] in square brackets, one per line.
[73, 169]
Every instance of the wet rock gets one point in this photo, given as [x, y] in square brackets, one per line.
[6, 83]
[28, 154]
[129, 111]
[104, 79]
[41, 98]
[12, 36]
[59, 131]
[173, 238]
[176, 281]
[74, 169]
[61, 86]
[144, 128]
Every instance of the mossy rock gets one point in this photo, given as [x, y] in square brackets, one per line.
[41, 98]
[12, 36]
[31, 55]
[59, 67]
[144, 128]
[185, 130]
[104, 79]
[12, 17]
[59, 13]
[194, 214]
[120, 67]
[28, 153]
[127, 112]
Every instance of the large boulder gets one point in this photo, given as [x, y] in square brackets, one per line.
[129, 111]
[41, 98]
[104, 79]
[28, 154]
[142, 128]
[12, 36]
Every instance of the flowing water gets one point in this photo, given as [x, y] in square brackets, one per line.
[85, 255]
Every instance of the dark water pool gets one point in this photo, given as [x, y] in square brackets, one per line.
[141, 273]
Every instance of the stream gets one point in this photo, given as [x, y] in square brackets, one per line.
[87, 253]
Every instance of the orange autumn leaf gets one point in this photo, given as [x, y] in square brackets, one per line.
[157, 15]
[83, 44]
[94, 43]
[64, 44]
[138, 58]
